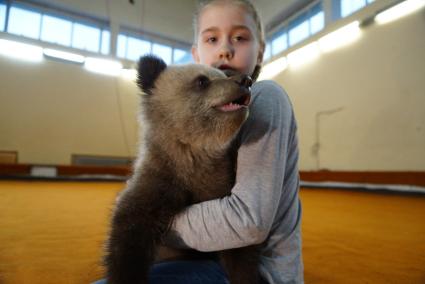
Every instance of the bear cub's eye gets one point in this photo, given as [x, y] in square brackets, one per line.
[202, 82]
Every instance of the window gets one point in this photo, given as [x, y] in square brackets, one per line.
[350, 6]
[2, 16]
[163, 52]
[86, 37]
[317, 19]
[267, 51]
[61, 28]
[136, 48]
[106, 41]
[317, 22]
[56, 30]
[305, 25]
[181, 56]
[132, 48]
[24, 22]
[121, 46]
[299, 29]
[279, 43]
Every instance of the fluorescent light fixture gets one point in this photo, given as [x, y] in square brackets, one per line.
[304, 54]
[103, 66]
[67, 56]
[129, 74]
[21, 51]
[399, 10]
[340, 37]
[273, 68]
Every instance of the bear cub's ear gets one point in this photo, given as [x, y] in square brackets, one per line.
[148, 71]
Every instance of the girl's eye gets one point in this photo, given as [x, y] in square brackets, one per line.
[211, 39]
[240, 38]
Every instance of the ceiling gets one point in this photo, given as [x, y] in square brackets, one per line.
[274, 12]
[270, 9]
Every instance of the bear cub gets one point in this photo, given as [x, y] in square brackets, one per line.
[191, 115]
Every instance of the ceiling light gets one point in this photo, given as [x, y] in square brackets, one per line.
[399, 10]
[340, 37]
[21, 51]
[303, 55]
[273, 68]
[129, 74]
[103, 66]
[67, 56]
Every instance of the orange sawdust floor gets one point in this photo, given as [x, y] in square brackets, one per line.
[53, 232]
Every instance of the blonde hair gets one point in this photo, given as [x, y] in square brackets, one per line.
[250, 9]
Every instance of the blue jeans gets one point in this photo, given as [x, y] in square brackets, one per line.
[185, 272]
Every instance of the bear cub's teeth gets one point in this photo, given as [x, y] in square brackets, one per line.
[230, 107]
[241, 102]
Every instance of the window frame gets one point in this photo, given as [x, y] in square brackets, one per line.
[315, 10]
[23, 7]
[6, 14]
[281, 32]
[188, 53]
[297, 22]
[337, 9]
[73, 18]
[153, 40]
[128, 35]
[60, 18]
[304, 15]
[102, 26]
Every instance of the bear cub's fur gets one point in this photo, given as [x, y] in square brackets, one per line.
[191, 117]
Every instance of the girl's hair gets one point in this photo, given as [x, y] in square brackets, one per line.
[249, 8]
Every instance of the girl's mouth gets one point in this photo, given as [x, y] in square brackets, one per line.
[228, 70]
[225, 67]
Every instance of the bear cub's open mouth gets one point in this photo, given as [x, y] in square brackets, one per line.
[240, 102]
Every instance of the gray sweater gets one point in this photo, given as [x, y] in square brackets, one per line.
[264, 204]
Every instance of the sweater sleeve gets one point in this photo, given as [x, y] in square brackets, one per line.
[246, 216]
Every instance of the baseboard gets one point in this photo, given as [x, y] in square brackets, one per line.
[356, 177]
[366, 177]
[62, 171]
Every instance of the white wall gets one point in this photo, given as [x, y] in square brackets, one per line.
[51, 110]
[377, 84]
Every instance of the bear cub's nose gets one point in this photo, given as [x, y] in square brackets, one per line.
[244, 81]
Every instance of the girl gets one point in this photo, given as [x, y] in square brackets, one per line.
[264, 206]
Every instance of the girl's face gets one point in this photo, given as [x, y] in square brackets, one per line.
[227, 39]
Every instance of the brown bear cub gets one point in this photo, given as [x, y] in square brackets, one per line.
[191, 117]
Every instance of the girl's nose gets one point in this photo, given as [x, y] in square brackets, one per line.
[226, 51]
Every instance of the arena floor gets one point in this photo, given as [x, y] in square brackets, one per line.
[53, 232]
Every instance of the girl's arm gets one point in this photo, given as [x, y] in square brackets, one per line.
[267, 178]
